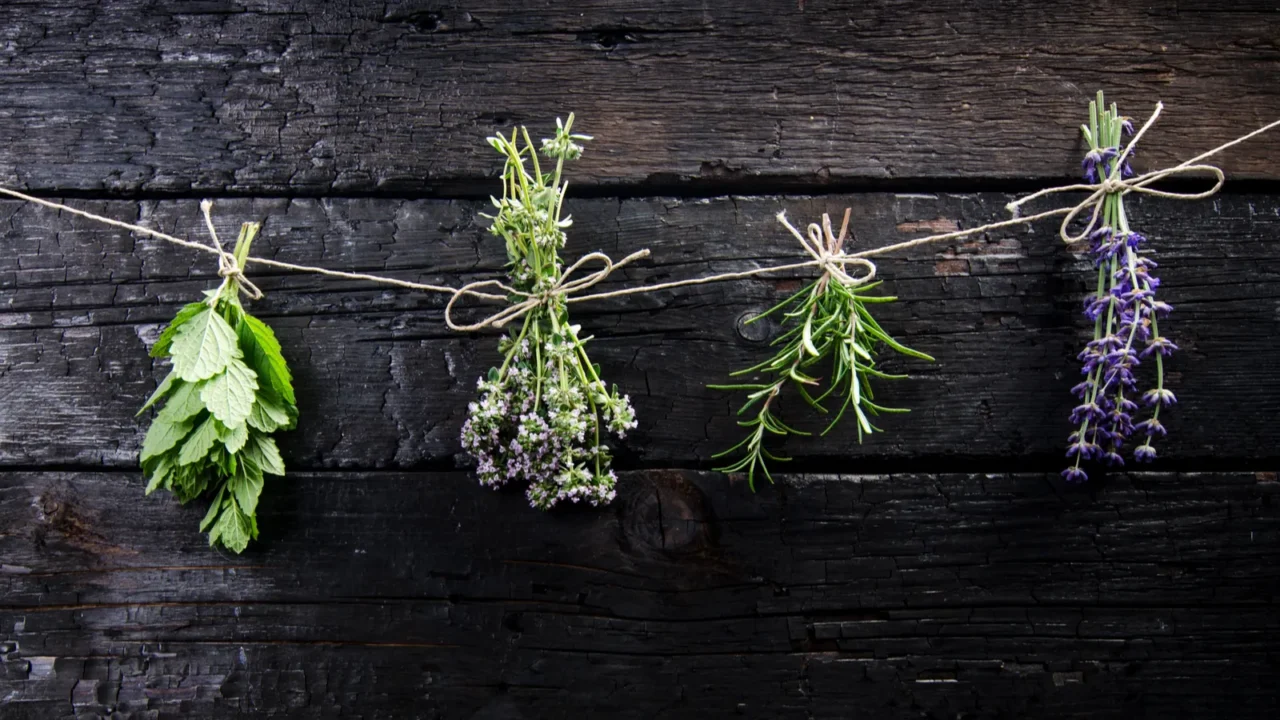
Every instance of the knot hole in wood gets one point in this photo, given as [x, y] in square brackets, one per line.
[666, 515]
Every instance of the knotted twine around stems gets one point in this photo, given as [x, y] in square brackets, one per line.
[827, 251]
[1115, 184]
[228, 266]
[561, 288]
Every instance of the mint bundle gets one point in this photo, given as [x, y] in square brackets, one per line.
[228, 391]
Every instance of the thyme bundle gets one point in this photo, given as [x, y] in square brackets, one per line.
[542, 416]
[828, 319]
[228, 391]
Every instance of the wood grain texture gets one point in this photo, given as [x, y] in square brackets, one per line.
[941, 570]
[287, 96]
[393, 595]
[383, 383]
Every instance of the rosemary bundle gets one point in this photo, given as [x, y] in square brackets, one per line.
[829, 320]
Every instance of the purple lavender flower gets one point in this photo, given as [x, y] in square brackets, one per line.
[1074, 475]
[1124, 312]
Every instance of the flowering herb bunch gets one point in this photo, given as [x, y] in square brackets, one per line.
[826, 321]
[228, 391]
[543, 415]
[1124, 311]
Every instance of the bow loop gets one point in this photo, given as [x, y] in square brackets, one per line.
[1115, 184]
[563, 288]
[828, 253]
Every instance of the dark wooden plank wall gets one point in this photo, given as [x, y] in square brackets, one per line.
[941, 570]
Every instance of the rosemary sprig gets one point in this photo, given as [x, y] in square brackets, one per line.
[825, 320]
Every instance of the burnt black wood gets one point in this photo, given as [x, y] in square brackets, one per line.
[383, 383]
[392, 595]
[281, 96]
[940, 570]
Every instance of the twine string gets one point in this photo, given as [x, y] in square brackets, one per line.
[825, 250]
[228, 268]
[561, 288]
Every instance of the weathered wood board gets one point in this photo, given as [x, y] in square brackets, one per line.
[340, 97]
[385, 384]
[397, 595]
[941, 569]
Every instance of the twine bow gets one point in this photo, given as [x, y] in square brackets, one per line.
[228, 265]
[1115, 184]
[827, 251]
[562, 288]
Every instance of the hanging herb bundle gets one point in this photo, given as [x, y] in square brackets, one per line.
[828, 320]
[542, 416]
[228, 391]
[1124, 311]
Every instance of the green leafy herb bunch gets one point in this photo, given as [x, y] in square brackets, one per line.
[228, 391]
[542, 417]
[828, 322]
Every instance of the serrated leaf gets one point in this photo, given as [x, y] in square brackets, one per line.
[203, 346]
[233, 529]
[161, 348]
[267, 415]
[230, 394]
[161, 390]
[183, 403]
[233, 438]
[159, 474]
[262, 352]
[263, 451]
[163, 435]
[247, 486]
[200, 442]
[214, 508]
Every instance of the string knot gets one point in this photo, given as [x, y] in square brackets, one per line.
[827, 251]
[1112, 185]
[229, 268]
[564, 288]
[1115, 184]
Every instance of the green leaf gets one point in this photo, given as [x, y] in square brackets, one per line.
[163, 435]
[214, 508]
[233, 529]
[160, 473]
[263, 451]
[200, 442]
[203, 346]
[262, 352]
[161, 348]
[233, 438]
[183, 403]
[247, 486]
[229, 395]
[188, 482]
[161, 390]
[267, 415]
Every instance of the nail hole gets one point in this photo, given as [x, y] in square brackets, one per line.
[608, 39]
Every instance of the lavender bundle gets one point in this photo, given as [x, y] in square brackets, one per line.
[1125, 313]
[542, 415]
